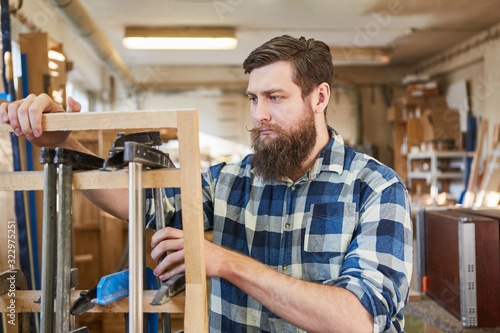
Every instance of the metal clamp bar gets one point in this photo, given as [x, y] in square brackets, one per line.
[166, 321]
[136, 255]
[64, 249]
[138, 155]
[48, 240]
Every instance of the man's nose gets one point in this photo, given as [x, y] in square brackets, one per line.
[261, 112]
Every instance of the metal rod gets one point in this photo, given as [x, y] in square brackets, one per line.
[166, 324]
[48, 248]
[64, 250]
[160, 224]
[160, 212]
[136, 260]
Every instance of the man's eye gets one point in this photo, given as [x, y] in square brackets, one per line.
[253, 99]
[275, 98]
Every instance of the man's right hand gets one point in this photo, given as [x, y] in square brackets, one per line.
[25, 117]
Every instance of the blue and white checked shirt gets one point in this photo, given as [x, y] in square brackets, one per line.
[345, 223]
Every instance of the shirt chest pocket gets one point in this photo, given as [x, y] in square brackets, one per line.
[330, 228]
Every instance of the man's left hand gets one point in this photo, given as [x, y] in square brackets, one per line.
[171, 241]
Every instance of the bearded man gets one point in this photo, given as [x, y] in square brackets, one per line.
[308, 234]
[312, 235]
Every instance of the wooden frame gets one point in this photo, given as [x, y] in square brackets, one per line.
[187, 178]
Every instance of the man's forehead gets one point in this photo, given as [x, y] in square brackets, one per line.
[271, 78]
[279, 67]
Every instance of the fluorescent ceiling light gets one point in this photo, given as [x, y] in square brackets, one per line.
[160, 38]
[360, 55]
[163, 43]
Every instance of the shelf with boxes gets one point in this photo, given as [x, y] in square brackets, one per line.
[426, 132]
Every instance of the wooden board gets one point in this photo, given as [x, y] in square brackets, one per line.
[488, 192]
[25, 302]
[196, 319]
[82, 180]
[65, 121]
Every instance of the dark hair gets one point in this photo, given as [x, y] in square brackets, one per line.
[311, 60]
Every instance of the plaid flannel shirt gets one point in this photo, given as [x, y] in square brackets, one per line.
[345, 223]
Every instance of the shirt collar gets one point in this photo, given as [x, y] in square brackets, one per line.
[331, 158]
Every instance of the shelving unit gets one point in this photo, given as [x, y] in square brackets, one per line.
[434, 173]
[194, 302]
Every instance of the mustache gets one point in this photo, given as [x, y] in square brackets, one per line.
[256, 129]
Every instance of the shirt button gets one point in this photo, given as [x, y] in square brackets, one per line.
[293, 188]
[285, 268]
[287, 226]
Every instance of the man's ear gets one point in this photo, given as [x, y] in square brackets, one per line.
[323, 97]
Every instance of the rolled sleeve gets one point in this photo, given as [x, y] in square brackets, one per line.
[378, 264]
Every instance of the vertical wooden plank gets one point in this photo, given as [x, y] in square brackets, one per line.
[112, 243]
[86, 243]
[35, 46]
[415, 133]
[400, 160]
[196, 314]
[496, 135]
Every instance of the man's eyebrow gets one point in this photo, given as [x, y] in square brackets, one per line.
[266, 92]
[272, 91]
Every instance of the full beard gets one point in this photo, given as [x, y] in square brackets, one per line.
[282, 156]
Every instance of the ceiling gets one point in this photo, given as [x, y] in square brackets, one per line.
[412, 29]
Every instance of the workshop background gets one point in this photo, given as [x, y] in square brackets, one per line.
[417, 86]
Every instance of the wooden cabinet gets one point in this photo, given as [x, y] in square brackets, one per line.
[459, 263]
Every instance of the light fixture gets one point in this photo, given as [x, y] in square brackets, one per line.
[53, 65]
[360, 55]
[54, 55]
[178, 38]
